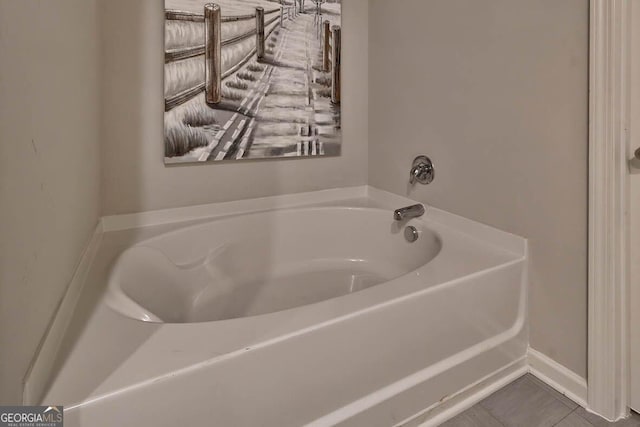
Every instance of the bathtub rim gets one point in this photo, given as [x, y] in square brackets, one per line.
[383, 199]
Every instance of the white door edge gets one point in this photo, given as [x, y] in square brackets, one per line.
[608, 336]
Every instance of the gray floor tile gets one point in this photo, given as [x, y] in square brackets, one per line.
[477, 416]
[525, 404]
[561, 397]
[596, 421]
[573, 420]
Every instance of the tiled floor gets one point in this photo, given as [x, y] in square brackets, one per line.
[528, 402]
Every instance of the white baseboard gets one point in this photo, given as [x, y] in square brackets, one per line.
[37, 376]
[468, 397]
[557, 376]
[544, 368]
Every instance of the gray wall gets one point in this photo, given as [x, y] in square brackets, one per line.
[49, 167]
[134, 178]
[496, 93]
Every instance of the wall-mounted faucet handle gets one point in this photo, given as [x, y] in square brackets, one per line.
[422, 171]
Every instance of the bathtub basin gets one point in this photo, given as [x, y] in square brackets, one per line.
[263, 263]
[309, 310]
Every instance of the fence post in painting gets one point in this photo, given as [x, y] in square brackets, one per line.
[326, 52]
[335, 71]
[213, 57]
[260, 33]
[281, 13]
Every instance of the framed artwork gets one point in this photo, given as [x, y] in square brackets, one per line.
[251, 79]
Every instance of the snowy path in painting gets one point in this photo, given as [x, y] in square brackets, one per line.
[297, 117]
[233, 140]
[287, 114]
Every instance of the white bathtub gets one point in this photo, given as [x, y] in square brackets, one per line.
[318, 313]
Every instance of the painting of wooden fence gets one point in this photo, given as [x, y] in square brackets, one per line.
[252, 79]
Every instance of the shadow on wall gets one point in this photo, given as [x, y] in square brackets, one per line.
[49, 167]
